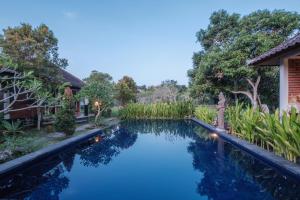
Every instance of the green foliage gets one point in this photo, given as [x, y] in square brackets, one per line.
[280, 135]
[98, 87]
[115, 112]
[34, 49]
[177, 110]
[13, 128]
[19, 145]
[228, 42]
[244, 122]
[65, 120]
[126, 90]
[206, 113]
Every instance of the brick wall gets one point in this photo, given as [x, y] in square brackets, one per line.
[293, 79]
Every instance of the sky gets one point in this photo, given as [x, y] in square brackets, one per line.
[149, 40]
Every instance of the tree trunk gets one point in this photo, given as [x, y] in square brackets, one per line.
[39, 118]
[98, 115]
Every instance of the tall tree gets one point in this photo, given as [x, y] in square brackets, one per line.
[22, 88]
[126, 90]
[228, 42]
[33, 49]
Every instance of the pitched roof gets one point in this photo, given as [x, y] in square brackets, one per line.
[67, 77]
[73, 80]
[272, 57]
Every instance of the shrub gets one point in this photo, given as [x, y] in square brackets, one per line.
[12, 128]
[177, 110]
[269, 131]
[16, 146]
[206, 114]
[65, 121]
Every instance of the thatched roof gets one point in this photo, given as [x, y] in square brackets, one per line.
[272, 57]
[73, 80]
[67, 77]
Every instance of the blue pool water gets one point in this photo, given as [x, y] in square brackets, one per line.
[151, 160]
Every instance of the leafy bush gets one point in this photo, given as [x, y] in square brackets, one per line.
[115, 112]
[206, 114]
[269, 131]
[65, 121]
[19, 145]
[177, 110]
[282, 135]
[12, 128]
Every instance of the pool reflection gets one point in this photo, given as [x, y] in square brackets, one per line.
[228, 173]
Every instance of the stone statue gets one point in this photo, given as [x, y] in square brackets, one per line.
[221, 111]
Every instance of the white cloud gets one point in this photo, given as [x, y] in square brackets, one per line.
[70, 15]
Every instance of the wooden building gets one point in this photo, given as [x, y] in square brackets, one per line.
[75, 85]
[287, 57]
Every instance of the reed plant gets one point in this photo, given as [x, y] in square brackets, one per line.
[176, 110]
[274, 132]
[207, 114]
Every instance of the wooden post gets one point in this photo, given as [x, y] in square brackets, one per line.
[221, 111]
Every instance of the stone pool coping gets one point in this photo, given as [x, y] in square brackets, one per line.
[264, 155]
[268, 157]
[18, 163]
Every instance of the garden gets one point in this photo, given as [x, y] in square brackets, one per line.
[252, 94]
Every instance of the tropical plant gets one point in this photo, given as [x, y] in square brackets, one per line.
[65, 118]
[13, 128]
[177, 110]
[207, 114]
[281, 135]
[269, 131]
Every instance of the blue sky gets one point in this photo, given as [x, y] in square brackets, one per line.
[149, 40]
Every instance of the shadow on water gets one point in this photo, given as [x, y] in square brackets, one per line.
[48, 178]
[228, 173]
[102, 152]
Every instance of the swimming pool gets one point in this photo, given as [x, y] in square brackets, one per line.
[151, 159]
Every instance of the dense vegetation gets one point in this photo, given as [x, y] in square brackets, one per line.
[99, 90]
[263, 129]
[167, 91]
[34, 49]
[126, 90]
[178, 110]
[207, 114]
[267, 130]
[228, 42]
[65, 117]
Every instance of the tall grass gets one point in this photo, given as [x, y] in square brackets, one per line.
[270, 131]
[206, 113]
[178, 110]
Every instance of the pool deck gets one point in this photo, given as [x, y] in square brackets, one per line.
[14, 165]
[268, 157]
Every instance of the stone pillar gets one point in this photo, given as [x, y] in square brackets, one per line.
[221, 111]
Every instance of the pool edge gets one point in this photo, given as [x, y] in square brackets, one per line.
[15, 164]
[270, 158]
